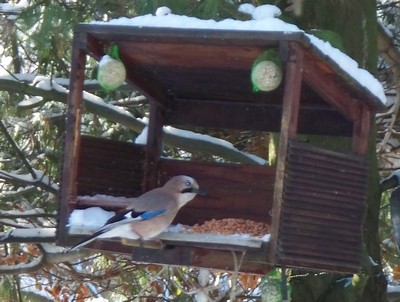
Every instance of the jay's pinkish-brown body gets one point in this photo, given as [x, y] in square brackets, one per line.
[149, 214]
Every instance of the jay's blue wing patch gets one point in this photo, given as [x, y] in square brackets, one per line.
[151, 214]
[131, 215]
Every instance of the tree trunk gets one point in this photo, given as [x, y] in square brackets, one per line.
[355, 22]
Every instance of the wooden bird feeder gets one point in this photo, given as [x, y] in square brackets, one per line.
[314, 199]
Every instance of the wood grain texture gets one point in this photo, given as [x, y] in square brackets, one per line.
[71, 139]
[290, 112]
[323, 209]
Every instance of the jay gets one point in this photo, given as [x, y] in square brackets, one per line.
[149, 214]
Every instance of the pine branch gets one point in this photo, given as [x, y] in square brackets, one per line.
[16, 148]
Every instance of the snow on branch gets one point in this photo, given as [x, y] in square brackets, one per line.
[223, 146]
[48, 88]
[50, 254]
[34, 213]
[41, 180]
[23, 268]
[13, 9]
[15, 224]
[35, 177]
[28, 235]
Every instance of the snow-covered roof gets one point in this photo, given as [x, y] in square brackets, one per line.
[264, 20]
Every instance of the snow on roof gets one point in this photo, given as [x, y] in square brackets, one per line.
[263, 19]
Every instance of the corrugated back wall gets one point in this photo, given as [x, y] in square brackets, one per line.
[110, 167]
[324, 203]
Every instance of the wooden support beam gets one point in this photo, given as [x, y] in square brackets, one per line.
[72, 136]
[290, 112]
[361, 129]
[322, 78]
[317, 120]
[153, 146]
[197, 256]
[138, 34]
[145, 84]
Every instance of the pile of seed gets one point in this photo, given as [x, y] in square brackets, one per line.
[230, 226]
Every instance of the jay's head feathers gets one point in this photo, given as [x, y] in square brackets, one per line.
[185, 186]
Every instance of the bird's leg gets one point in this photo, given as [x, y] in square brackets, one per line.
[141, 240]
[156, 243]
[133, 242]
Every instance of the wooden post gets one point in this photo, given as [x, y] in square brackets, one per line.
[154, 145]
[290, 112]
[361, 128]
[72, 137]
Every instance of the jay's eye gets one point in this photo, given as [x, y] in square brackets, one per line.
[188, 184]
